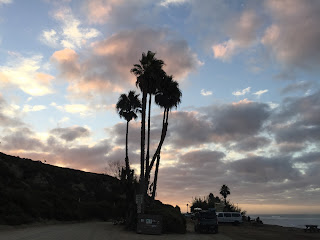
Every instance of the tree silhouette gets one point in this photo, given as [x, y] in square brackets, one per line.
[225, 191]
[127, 107]
[167, 97]
[148, 73]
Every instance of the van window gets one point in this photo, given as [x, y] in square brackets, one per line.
[235, 214]
[227, 214]
[220, 215]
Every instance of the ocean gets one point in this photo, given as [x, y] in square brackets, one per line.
[290, 220]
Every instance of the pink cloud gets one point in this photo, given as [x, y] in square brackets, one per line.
[107, 68]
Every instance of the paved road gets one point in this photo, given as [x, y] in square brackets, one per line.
[94, 231]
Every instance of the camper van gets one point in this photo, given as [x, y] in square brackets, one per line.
[229, 217]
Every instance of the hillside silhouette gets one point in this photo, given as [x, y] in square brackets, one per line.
[34, 191]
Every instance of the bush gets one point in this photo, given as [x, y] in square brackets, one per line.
[172, 219]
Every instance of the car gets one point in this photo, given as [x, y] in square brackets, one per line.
[229, 217]
[206, 221]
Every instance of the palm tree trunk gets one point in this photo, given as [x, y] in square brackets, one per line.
[143, 132]
[156, 178]
[148, 146]
[163, 136]
[127, 157]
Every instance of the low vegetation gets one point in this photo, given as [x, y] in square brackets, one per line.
[210, 201]
[34, 191]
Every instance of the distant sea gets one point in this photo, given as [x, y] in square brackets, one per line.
[289, 220]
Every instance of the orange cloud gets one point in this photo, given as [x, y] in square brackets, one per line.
[65, 55]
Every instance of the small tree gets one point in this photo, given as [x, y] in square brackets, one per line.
[114, 168]
[204, 203]
[225, 191]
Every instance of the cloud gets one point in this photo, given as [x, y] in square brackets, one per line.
[304, 110]
[25, 73]
[295, 87]
[205, 93]
[167, 3]
[23, 142]
[35, 108]
[311, 157]
[120, 14]
[241, 92]
[238, 120]
[9, 114]
[83, 110]
[259, 93]
[118, 131]
[201, 158]
[71, 34]
[290, 147]
[252, 143]
[293, 36]
[107, 69]
[295, 133]
[21, 139]
[99, 11]
[264, 170]
[297, 120]
[2, 2]
[71, 133]
[224, 50]
[217, 123]
[242, 31]
[88, 158]
[50, 38]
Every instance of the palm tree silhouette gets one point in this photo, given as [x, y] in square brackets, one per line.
[127, 107]
[148, 73]
[167, 97]
[225, 191]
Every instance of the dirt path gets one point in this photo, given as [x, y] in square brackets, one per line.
[95, 231]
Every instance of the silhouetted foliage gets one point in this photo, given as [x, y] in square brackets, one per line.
[205, 203]
[172, 219]
[225, 191]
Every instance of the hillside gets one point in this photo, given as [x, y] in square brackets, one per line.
[34, 191]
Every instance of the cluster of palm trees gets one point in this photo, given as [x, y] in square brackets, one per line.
[152, 80]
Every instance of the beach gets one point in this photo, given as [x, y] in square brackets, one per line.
[106, 230]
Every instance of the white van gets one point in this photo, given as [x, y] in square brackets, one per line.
[229, 217]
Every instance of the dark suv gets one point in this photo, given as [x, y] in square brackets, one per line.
[206, 221]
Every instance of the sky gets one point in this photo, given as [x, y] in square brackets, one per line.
[248, 70]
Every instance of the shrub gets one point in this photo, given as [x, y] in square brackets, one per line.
[172, 219]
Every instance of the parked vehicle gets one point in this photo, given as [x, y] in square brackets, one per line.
[206, 221]
[229, 217]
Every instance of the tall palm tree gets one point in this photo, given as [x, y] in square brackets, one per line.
[127, 107]
[147, 72]
[168, 96]
[225, 191]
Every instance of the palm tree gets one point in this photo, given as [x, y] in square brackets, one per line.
[147, 72]
[127, 107]
[225, 191]
[167, 97]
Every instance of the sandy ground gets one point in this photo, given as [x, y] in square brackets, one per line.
[93, 231]
[106, 230]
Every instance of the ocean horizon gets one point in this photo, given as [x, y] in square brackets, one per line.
[289, 220]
